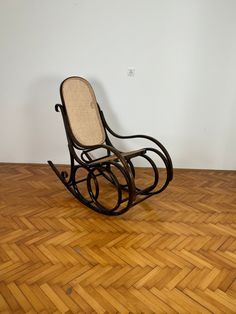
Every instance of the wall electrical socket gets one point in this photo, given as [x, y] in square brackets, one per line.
[131, 72]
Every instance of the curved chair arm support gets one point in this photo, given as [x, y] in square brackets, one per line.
[169, 171]
[147, 137]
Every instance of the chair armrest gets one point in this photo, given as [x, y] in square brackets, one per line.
[147, 137]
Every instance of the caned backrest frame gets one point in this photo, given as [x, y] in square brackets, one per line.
[86, 128]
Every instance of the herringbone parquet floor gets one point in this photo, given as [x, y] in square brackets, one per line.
[174, 253]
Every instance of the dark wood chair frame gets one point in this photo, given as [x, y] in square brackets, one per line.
[114, 159]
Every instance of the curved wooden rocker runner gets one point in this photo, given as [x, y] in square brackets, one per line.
[87, 131]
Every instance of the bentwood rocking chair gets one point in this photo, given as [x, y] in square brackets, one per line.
[87, 131]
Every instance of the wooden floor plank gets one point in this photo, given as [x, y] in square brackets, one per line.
[174, 253]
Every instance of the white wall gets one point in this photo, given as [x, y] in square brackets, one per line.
[183, 92]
